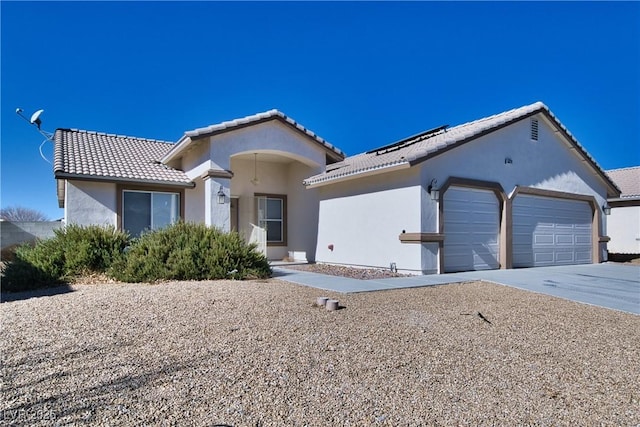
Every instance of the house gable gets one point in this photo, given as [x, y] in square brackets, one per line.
[333, 153]
[415, 150]
[212, 154]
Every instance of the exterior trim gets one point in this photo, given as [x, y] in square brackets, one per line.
[622, 202]
[421, 237]
[124, 181]
[60, 190]
[504, 257]
[359, 174]
[217, 173]
[120, 188]
[596, 228]
[284, 217]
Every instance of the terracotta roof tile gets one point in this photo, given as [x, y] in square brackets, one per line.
[628, 180]
[95, 155]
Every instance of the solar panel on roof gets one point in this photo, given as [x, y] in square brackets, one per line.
[405, 142]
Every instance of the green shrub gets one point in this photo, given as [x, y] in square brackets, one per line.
[188, 251]
[73, 250]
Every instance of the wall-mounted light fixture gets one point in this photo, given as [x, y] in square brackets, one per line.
[606, 209]
[507, 160]
[221, 196]
[433, 189]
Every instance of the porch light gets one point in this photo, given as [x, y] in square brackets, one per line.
[221, 196]
[606, 209]
[433, 190]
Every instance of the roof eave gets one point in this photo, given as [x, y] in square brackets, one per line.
[621, 202]
[182, 143]
[60, 192]
[358, 174]
[159, 183]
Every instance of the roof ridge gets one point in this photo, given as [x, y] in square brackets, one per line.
[622, 169]
[535, 106]
[93, 132]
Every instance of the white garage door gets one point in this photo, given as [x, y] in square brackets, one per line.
[471, 229]
[549, 231]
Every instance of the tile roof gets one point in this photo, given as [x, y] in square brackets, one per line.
[108, 157]
[428, 144]
[246, 121]
[628, 180]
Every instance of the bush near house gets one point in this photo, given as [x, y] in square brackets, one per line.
[74, 250]
[182, 251]
[188, 251]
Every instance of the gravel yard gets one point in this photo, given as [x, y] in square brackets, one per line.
[259, 353]
[344, 271]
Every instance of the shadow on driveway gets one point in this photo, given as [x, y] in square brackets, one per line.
[36, 293]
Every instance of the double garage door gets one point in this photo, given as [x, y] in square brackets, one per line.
[546, 231]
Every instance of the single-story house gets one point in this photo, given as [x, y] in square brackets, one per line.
[623, 225]
[511, 190]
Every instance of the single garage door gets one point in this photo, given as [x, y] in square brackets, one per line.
[471, 229]
[549, 231]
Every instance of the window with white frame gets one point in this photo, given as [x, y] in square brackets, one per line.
[272, 216]
[148, 210]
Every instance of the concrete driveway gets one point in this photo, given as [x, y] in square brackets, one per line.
[609, 285]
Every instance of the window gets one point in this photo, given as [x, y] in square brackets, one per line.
[272, 216]
[148, 210]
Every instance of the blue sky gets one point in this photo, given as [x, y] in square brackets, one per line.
[359, 74]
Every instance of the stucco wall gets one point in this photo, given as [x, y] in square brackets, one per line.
[18, 232]
[363, 218]
[194, 203]
[88, 203]
[303, 205]
[623, 226]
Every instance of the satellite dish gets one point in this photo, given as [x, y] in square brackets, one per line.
[35, 118]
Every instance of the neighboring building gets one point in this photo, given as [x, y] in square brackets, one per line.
[623, 225]
[511, 190]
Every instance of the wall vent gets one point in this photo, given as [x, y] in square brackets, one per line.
[534, 129]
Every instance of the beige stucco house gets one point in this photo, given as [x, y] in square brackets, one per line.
[515, 189]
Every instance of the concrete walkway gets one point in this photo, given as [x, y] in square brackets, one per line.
[608, 285]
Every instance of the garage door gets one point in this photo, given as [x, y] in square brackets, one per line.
[549, 231]
[471, 229]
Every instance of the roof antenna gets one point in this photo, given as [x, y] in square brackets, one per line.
[37, 122]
